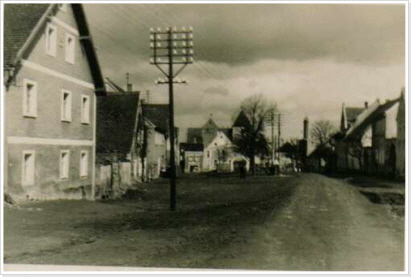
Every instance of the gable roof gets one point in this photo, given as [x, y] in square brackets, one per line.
[116, 121]
[23, 24]
[242, 120]
[228, 132]
[158, 114]
[365, 119]
[218, 135]
[352, 113]
[210, 124]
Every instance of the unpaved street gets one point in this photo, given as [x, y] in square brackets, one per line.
[305, 222]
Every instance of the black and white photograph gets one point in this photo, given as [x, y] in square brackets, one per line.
[202, 136]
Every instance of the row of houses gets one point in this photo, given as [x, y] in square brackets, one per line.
[69, 132]
[371, 140]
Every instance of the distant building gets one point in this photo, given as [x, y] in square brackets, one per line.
[120, 135]
[51, 79]
[191, 157]
[401, 140]
[157, 140]
[219, 151]
[374, 142]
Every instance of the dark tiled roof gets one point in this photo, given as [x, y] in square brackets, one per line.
[192, 147]
[158, 114]
[352, 113]
[194, 135]
[19, 22]
[116, 119]
[228, 132]
[242, 120]
[210, 124]
[208, 135]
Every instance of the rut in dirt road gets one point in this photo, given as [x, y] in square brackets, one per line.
[328, 225]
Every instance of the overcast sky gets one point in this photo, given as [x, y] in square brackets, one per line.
[307, 58]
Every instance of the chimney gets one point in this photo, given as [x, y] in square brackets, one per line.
[366, 104]
[306, 128]
[129, 87]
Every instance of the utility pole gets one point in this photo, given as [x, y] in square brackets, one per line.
[272, 138]
[171, 47]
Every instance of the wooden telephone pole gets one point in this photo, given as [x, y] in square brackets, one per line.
[171, 47]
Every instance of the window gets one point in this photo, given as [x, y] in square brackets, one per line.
[29, 98]
[28, 168]
[83, 164]
[64, 164]
[85, 109]
[69, 46]
[63, 7]
[66, 105]
[51, 39]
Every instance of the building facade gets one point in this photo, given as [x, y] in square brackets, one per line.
[51, 81]
[218, 150]
[157, 141]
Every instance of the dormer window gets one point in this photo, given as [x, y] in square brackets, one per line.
[51, 39]
[70, 48]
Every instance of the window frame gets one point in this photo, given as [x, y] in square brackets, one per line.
[85, 116]
[69, 53]
[51, 46]
[63, 107]
[24, 181]
[84, 172]
[64, 175]
[33, 102]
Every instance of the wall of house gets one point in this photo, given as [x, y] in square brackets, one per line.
[212, 151]
[378, 142]
[47, 182]
[193, 159]
[156, 153]
[400, 143]
[52, 74]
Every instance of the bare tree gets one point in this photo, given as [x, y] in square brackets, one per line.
[251, 141]
[356, 150]
[322, 131]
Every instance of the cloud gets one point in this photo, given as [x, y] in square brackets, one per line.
[216, 90]
[244, 33]
[309, 59]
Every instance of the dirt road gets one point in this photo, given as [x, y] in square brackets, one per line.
[326, 226]
[306, 222]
